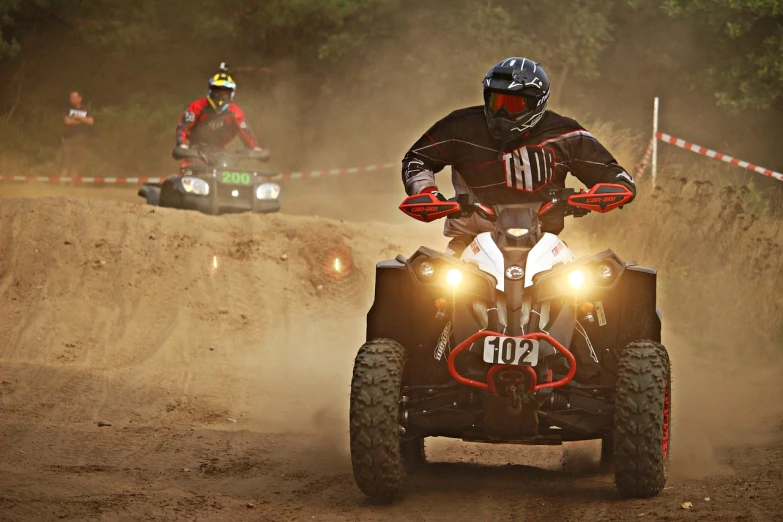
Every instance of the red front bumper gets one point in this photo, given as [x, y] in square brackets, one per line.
[533, 385]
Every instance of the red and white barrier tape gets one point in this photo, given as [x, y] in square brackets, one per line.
[129, 181]
[666, 138]
[333, 172]
[79, 179]
[716, 155]
[640, 168]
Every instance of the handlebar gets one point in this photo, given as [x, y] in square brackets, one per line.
[557, 204]
[561, 202]
[212, 156]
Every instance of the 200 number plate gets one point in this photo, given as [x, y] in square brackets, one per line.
[236, 178]
[510, 350]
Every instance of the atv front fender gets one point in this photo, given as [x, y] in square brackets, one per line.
[150, 192]
[403, 310]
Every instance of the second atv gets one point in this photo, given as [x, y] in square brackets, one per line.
[213, 185]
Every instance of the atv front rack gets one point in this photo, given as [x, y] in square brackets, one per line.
[533, 385]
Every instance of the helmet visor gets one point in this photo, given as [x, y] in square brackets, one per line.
[513, 104]
[220, 96]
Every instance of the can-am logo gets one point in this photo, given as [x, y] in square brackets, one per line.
[515, 272]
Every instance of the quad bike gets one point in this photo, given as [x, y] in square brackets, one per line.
[516, 342]
[212, 185]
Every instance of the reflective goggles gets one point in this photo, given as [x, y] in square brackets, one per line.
[512, 104]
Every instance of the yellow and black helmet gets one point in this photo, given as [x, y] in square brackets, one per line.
[221, 89]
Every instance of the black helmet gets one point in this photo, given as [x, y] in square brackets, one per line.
[515, 94]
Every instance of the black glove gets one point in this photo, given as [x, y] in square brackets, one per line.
[627, 184]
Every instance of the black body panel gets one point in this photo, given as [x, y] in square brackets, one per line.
[624, 310]
[220, 199]
[405, 311]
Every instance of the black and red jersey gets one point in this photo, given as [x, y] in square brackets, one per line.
[205, 127]
[514, 172]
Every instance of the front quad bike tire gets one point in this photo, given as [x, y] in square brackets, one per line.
[380, 460]
[169, 196]
[642, 419]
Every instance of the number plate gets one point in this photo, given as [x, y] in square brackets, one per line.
[510, 350]
[236, 178]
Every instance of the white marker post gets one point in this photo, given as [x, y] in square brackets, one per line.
[655, 141]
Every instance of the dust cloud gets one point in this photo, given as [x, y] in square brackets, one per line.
[115, 310]
[718, 266]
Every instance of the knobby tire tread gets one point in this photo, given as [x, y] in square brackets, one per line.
[644, 373]
[378, 464]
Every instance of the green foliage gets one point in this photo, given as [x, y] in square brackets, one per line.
[339, 51]
[145, 149]
[8, 47]
[745, 36]
[764, 199]
[746, 42]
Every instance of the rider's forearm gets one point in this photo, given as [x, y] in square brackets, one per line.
[183, 135]
[614, 174]
[419, 181]
[184, 125]
[424, 159]
[593, 164]
[625, 179]
[248, 137]
[417, 174]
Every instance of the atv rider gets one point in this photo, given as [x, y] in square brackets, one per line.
[211, 123]
[508, 151]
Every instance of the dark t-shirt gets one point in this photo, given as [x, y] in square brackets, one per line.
[71, 131]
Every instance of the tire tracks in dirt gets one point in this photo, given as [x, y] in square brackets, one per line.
[129, 341]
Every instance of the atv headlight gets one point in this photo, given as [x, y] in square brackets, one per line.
[426, 269]
[195, 186]
[268, 191]
[454, 277]
[517, 232]
[576, 278]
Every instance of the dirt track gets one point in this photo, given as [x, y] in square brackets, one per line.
[224, 346]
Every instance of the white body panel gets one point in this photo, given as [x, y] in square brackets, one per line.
[485, 253]
[549, 251]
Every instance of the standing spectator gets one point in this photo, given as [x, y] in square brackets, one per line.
[78, 122]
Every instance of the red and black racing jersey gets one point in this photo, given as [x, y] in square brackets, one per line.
[515, 172]
[203, 126]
